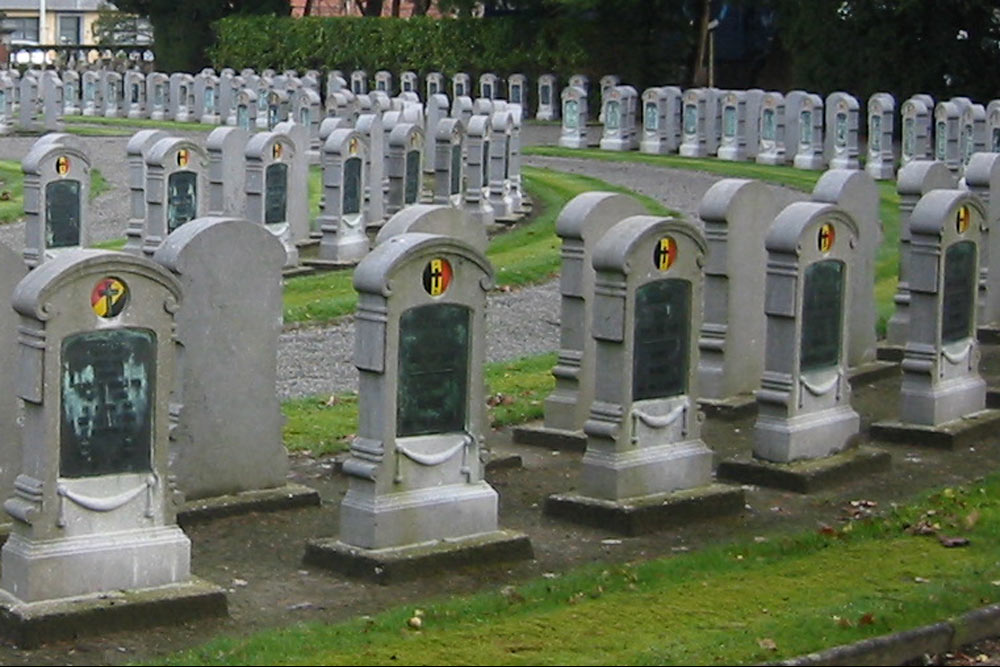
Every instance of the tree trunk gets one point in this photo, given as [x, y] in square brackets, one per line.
[373, 8]
[699, 73]
[420, 7]
[395, 8]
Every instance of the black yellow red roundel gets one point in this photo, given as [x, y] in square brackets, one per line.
[62, 165]
[962, 219]
[826, 237]
[665, 253]
[109, 297]
[437, 276]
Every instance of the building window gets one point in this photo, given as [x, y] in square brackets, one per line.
[69, 29]
[24, 28]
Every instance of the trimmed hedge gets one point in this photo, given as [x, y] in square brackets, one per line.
[562, 44]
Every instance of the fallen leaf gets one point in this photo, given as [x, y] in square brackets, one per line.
[921, 580]
[843, 622]
[827, 530]
[972, 518]
[415, 622]
[511, 595]
[951, 542]
[767, 644]
[333, 400]
[866, 619]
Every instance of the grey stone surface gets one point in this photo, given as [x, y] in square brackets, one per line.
[916, 133]
[574, 118]
[226, 170]
[435, 219]
[982, 178]
[842, 120]
[220, 447]
[810, 147]
[265, 190]
[94, 512]
[342, 222]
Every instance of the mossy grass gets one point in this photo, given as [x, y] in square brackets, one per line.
[747, 601]
[887, 259]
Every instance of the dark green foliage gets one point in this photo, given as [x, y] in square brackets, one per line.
[939, 47]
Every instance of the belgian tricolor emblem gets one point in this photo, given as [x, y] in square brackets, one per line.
[276, 150]
[962, 219]
[62, 165]
[827, 235]
[183, 156]
[437, 276]
[109, 297]
[665, 253]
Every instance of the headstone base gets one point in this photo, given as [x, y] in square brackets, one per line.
[644, 471]
[418, 560]
[732, 154]
[573, 142]
[807, 476]
[811, 162]
[328, 264]
[814, 435]
[950, 435]
[772, 159]
[551, 438]
[944, 402]
[729, 408]
[300, 270]
[615, 145]
[688, 150]
[872, 371]
[646, 514]
[31, 624]
[289, 496]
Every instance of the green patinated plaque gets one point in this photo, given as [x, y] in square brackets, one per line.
[968, 144]
[651, 117]
[729, 122]
[959, 291]
[304, 116]
[571, 117]
[182, 198]
[994, 139]
[432, 88]
[433, 369]
[690, 118]
[515, 94]
[352, 186]
[456, 170]
[135, 93]
[459, 90]
[209, 99]
[272, 116]
[62, 213]
[822, 315]
[545, 95]
[107, 391]
[485, 166]
[88, 91]
[662, 330]
[158, 95]
[488, 91]
[411, 189]
[875, 133]
[941, 134]
[767, 131]
[506, 160]
[613, 115]
[243, 117]
[840, 133]
[909, 136]
[805, 128]
[276, 193]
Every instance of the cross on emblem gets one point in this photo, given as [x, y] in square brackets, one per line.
[665, 253]
[826, 237]
[437, 276]
[962, 219]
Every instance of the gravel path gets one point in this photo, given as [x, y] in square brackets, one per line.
[317, 361]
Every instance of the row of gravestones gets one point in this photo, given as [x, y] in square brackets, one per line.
[772, 128]
[474, 165]
[134, 402]
[659, 316]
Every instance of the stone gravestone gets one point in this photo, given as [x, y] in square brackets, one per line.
[271, 186]
[942, 397]
[343, 218]
[645, 464]
[219, 447]
[306, 111]
[519, 201]
[461, 85]
[881, 162]
[700, 130]
[809, 153]
[298, 198]
[660, 130]
[449, 166]
[461, 109]
[805, 421]
[180, 97]
[416, 492]
[226, 170]
[517, 92]
[435, 219]
[206, 96]
[12, 270]
[772, 130]
[94, 506]
[993, 126]
[71, 93]
[947, 131]
[574, 118]
[112, 88]
[982, 178]
[383, 82]
[973, 132]
[406, 144]
[246, 110]
[856, 192]
[56, 198]
[913, 181]
[370, 127]
[175, 189]
[6, 104]
[52, 101]
[135, 94]
[436, 110]
[615, 136]
[502, 124]
[547, 109]
[842, 131]
[584, 220]
[278, 106]
[793, 100]
[30, 98]
[488, 84]
[735, 119]
[734, 214]
[434, 84]
[477, 176]
[408, 82]
[915, 135]
[91, 93]
[359, 82]
[157, 94]
[136, 151]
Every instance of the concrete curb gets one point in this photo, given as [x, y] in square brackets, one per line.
[901, 647]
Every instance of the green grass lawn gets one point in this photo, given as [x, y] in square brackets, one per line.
[739, 603]
[129, 125]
